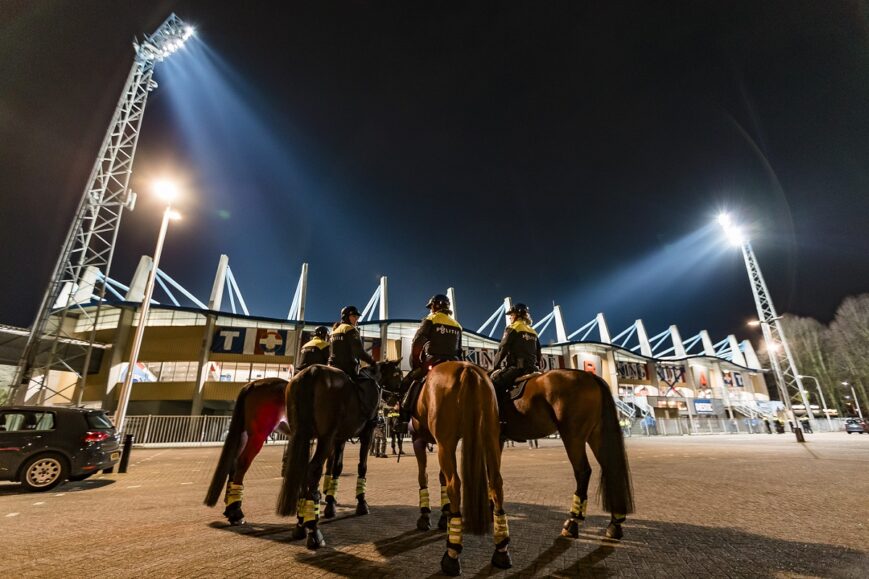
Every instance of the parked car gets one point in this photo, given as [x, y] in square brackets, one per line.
[41, 447]
[856, 425]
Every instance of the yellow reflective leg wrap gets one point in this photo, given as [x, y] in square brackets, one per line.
[619, 518]
[234, 493]
[445, 498]
[502, 530]
[327, 484]
[454, 533]
[360, 486]
[578, 508]
[333, 488]
[423, 499]
[312, 511]
[300, 508]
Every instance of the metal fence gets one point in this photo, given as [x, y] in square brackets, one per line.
[212, 430]
[183, 430]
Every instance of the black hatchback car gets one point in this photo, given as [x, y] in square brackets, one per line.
[41, 447]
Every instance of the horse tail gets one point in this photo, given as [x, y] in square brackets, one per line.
[300, 419]
[476, 518]
[231, 448]
[615, 475]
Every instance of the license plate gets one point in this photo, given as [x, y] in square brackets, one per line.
[116, 455]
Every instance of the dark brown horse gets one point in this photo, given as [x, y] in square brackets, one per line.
[261, 407]
[580, 407]
[322, 403]
[458, 402]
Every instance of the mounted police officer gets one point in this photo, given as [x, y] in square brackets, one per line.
[316, 350]
[346, 344]
[438, 339]
[519, 351]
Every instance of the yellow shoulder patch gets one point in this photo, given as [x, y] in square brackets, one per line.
[520, 326]
[316, 343]
[443, 319]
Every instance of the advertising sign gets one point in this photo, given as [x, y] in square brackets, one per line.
[703, 406]
[632, 371]
[257, 341]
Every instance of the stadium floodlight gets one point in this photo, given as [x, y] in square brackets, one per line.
[781, 359]
[90, 242]
[165, 189]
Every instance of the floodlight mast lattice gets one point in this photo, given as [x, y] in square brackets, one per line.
[87, 252]
[781, 359]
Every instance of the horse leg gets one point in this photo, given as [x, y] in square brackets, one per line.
[614, 529]
[419, 450]
[501, 556]
[362, 470]
[312, 492]
[255, 438]
[576, 453]
[334, 468]
[445, 502]
[450, 564]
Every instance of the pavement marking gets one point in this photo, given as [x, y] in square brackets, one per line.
[58, 494]
[12, 515]
[134, 486]
[187, 483]
[39, 503]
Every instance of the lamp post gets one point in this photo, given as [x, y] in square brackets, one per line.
[783, 364]
[854, 396]
[167, 191]
[823, 402]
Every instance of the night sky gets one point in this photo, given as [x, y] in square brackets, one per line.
[573, 152]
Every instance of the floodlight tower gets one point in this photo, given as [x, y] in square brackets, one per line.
[90, 241]
[782, 360]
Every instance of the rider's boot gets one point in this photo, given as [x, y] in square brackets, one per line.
[406, 407]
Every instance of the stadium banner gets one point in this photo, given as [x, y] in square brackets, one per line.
[255, 341]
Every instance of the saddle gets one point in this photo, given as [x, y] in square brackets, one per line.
[519, 385]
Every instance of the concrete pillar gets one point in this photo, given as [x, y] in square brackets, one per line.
[384, 315]
[451, 294]
[214, 302]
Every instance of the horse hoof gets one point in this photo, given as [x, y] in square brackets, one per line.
[329, 511]
[423, 523]
[298, 533]
[315, 540]
[570, 529]
[442, 522]
[362, 508]
[501, 559]
[614, 531]
[234, 514]
[450, 566]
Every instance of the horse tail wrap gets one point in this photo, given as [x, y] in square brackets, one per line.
[476, 518]
[300, 419]
[615, 477]
[232, 447]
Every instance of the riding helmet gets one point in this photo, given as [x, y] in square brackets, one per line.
[322, 332]
[520, 310]
[439, 301]
[349, 311]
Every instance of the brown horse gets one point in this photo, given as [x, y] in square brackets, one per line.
[580, 407]
[458, 402]
[323, 403]
[261, 407]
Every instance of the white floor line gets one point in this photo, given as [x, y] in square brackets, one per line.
[39, 503]
[12, 515]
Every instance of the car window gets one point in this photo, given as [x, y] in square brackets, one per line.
[25, 420]
[99, 421]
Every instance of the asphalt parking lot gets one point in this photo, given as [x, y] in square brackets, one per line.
[710, 506]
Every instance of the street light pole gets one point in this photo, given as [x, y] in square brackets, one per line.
[126, 388]
[823, 402]
[854, 396]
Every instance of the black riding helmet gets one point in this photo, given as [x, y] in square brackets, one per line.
[322, 332]
[438, 301]
[519, 310]
[348, 311]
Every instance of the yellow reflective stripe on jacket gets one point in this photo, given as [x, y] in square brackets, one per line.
[520, 326]
[343, 329]
[316, 343]
[443, 319]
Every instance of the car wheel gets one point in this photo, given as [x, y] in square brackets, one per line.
[43, 472]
